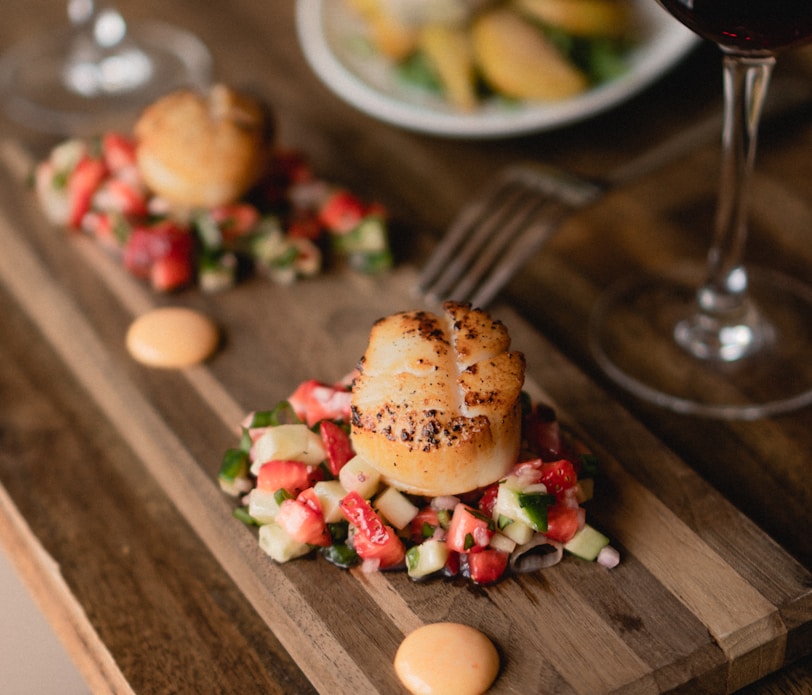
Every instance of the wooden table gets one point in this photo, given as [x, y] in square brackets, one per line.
[108, 503]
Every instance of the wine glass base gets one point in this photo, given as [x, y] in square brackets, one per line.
[36, 96]
[632, 339]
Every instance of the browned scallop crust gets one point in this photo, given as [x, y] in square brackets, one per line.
[436, 403]
[203, 149]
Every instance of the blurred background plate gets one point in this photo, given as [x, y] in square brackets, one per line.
[328, 33]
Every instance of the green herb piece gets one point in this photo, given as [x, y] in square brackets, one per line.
[340, 555]
[241, 513]
[281, 495]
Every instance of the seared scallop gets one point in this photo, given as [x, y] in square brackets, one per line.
[436, 403]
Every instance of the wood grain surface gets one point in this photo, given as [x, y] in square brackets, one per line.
[108, 468]
[689, 608]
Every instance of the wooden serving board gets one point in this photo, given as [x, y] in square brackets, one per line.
[703, 601]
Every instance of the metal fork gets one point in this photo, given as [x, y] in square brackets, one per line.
[503, 227]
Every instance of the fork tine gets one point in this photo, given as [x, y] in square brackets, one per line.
[525, 208]
[472, 229]
[565, 194]
[501, 222]
[528, 243]
[458, 233]
[498, 231]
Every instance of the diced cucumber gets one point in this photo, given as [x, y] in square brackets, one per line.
[507, 504]
[330, 494]
[276, 542]
[358, 475]
[519, 532]
[370, 262]
[370, 235]
[535, 505]
[366, 248]
[501, 541]
[395, 507]
[427, 558]
[67, 154]
[586, 543]
[218, 273]
[233, 474]
[262, 505]
[287, 443]
[520, 505]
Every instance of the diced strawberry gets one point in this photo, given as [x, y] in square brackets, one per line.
[138, 255]
[173, 265]
[488, 499]
[487, 566]
[373, 540]
[309, 497]
[559, 476]
[235, 220]
[314, 401]
[341, 212]
[293, 476]
[162, 253]
[562, 522]
[107, 228]
[84, 180]
[469, 531]
[302, 522]
[118, 151]
[171, 272]
[337, 445]
[118, 195]
[305, 227]
[424, 525]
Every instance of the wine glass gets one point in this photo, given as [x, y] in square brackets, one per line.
[98, 72]
[735, 342]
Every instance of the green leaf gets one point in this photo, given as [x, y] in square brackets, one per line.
[234, 465]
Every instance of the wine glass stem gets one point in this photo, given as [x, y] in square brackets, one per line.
[727, 326]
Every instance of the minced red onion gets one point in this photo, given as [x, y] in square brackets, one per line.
[482, 536]
[445, 502]
[369, 566]
[608, 557]
[538, 553]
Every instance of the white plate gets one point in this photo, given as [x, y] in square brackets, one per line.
[326, 31]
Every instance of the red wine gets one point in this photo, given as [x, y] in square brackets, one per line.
[749, 26]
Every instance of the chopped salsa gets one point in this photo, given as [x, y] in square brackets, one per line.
[283, 229]
[296, 478]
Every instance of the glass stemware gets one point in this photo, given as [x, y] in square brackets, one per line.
[96, 73]
[734, 342]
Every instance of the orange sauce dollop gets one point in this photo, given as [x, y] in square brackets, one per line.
[446, 659]
[172, 337]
